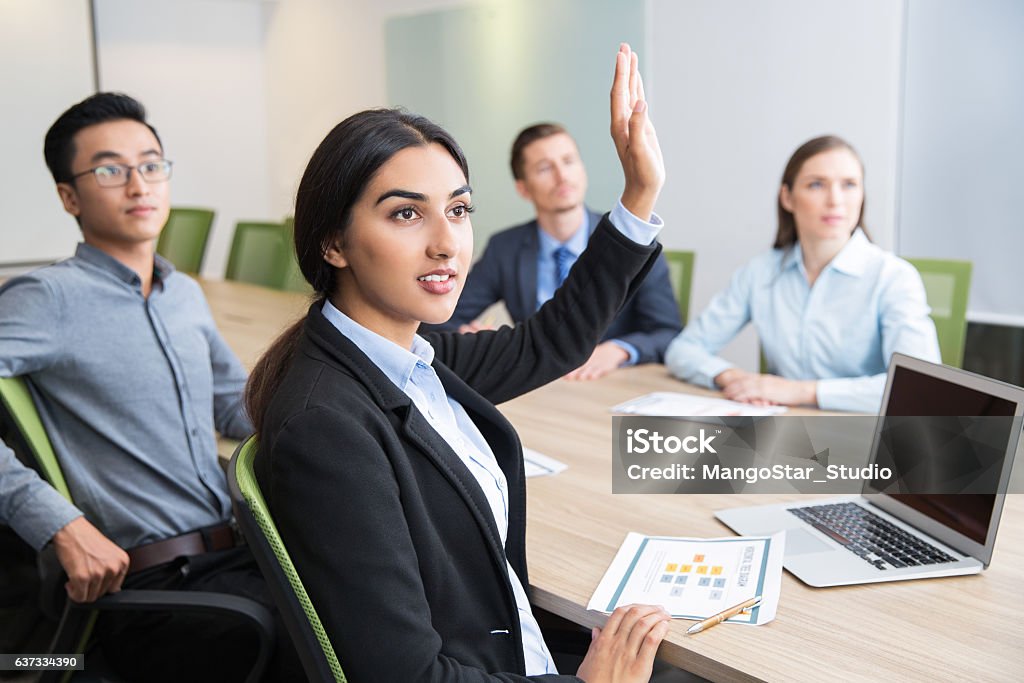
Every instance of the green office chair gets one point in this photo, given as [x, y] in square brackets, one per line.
[297, 612]
[259, 254]
[183, 239]
[948, 285]
[680, 267]
[77, 619]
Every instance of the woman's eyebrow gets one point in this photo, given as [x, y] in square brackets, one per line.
[404, 194]
[419, 196]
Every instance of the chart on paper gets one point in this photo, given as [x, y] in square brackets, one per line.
[695, 578]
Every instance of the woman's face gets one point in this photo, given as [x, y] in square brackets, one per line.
[406, 253]
[826, 196]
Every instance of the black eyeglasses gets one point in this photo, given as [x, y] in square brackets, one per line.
[118, 175]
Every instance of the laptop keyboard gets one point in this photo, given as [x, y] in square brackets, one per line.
[870, 537]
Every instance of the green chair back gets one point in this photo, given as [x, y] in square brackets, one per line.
[259, 254]
[296, 609]
[948, 285]
[18, 400]
[77, 622]
[680, 268]
[183, 239]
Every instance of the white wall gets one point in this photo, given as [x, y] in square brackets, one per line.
[197, 66]
[45, 65]
[735, 87]
[323, 60]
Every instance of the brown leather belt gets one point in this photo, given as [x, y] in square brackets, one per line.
[198, 542]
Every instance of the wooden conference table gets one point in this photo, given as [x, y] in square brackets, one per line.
[962, 628]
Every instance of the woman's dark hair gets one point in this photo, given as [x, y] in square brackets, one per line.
[59, 144]
[786, 235]
[335, 178]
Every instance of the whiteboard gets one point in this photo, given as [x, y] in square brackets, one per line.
[46, 65]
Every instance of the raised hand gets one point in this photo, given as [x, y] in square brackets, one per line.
[635, 139]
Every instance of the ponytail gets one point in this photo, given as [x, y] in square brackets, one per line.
[266, 377]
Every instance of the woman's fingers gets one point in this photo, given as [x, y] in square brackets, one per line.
[643, 627]
[620, 105]
[649, 647]
[634, 79]
[632, 614]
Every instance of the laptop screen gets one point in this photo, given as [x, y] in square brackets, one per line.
[914, 393]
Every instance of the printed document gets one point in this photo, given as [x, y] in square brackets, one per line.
[694, 578]
[539, 465]
[671, 404]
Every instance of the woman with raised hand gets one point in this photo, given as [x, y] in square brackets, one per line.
[829, 306]
[395, 483]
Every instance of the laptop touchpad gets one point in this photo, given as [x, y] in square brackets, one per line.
[800, 542]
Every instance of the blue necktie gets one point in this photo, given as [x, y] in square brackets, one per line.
[563, 262]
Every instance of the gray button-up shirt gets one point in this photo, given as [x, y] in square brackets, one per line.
[130, 391]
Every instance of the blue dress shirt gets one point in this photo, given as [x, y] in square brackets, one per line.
[865, 304]
[547, 269]
[130, 390]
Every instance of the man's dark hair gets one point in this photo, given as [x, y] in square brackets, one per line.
[59, 146]
[525, 137]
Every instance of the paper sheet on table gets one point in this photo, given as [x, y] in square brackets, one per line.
[695, 578]
[672, 404]
[538, 464]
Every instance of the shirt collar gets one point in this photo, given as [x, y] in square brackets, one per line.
[394, 361]
[852, 259]
[575, 244]
[162, 268]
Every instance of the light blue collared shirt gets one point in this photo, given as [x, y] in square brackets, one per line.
[866, 304]
[631, 226]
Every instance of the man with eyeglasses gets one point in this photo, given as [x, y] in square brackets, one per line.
[131, 378]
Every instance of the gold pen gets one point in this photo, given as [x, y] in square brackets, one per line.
[722, 616]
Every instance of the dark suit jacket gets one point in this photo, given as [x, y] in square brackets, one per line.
[388, 529]
[507, 270]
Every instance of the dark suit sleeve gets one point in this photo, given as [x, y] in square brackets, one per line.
[505, 363]
[650, 320]
[483, 288]
[355, 555]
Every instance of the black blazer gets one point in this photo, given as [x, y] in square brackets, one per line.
[389, 531]
[507, 270]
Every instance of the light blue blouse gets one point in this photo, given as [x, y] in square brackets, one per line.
[866, 304]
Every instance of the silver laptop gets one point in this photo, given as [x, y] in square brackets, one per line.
[892, 537]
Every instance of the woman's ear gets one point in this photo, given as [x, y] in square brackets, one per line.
[785, 198]
[335, 254]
